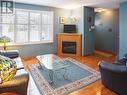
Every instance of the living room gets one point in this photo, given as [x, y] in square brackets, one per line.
[92, 32]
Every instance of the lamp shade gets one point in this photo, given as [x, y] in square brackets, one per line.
[5, 39]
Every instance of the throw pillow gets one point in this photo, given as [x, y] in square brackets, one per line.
[7, 68]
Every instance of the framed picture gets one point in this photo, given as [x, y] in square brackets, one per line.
[62, 20]
[89, 19]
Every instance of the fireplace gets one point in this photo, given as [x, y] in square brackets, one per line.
[68, 47]
[69, 44]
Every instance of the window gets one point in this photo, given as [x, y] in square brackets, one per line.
[35, 26]
[7, 26]
[21, 26]
[28, 26]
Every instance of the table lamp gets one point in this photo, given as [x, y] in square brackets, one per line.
[4, 40]
[7, 69]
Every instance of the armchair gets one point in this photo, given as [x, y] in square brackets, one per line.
[114, 77]
[19, 83]
[122, 61]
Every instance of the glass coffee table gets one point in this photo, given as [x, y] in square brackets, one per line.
[52, 63]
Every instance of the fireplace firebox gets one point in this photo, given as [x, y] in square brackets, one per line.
[69, 47]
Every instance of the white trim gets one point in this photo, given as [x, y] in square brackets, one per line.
[31, 43]
[24, 44]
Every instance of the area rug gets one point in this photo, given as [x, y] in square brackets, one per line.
[78, 75]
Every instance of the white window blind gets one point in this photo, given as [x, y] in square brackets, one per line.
[35, 26]
[28, 26]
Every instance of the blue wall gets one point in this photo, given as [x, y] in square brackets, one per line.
[123, 29]
[88, 35]
[78, 13]
[36, 49]
[104, 39]
[83, 26]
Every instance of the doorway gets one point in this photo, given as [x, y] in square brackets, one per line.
[107, 30]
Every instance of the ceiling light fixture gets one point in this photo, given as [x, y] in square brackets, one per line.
[99, 10]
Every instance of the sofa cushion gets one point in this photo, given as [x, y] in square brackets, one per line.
[18, 63]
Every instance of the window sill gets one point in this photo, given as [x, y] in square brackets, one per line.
[31, 43]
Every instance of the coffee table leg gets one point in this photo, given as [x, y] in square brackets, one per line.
[65, 74]
[51, 74]
[40, 66]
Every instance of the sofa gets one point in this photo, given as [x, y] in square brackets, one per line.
[19, 83]
[114, 76]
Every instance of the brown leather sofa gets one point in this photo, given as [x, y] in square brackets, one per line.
[19, 83]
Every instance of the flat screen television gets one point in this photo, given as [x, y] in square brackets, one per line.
[68, 28]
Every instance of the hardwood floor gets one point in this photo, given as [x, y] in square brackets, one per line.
[95, 88]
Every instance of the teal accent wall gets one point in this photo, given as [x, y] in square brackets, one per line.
[45, 48]
[89, 39]
[105, 39]
[123, 29]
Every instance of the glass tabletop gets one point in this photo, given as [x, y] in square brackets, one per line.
[51, 61]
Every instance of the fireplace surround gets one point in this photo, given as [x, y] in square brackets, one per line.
[69, 44]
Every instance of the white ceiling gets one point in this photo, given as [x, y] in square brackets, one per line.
[70, 4]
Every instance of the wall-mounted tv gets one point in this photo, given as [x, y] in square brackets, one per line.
[69, 28]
